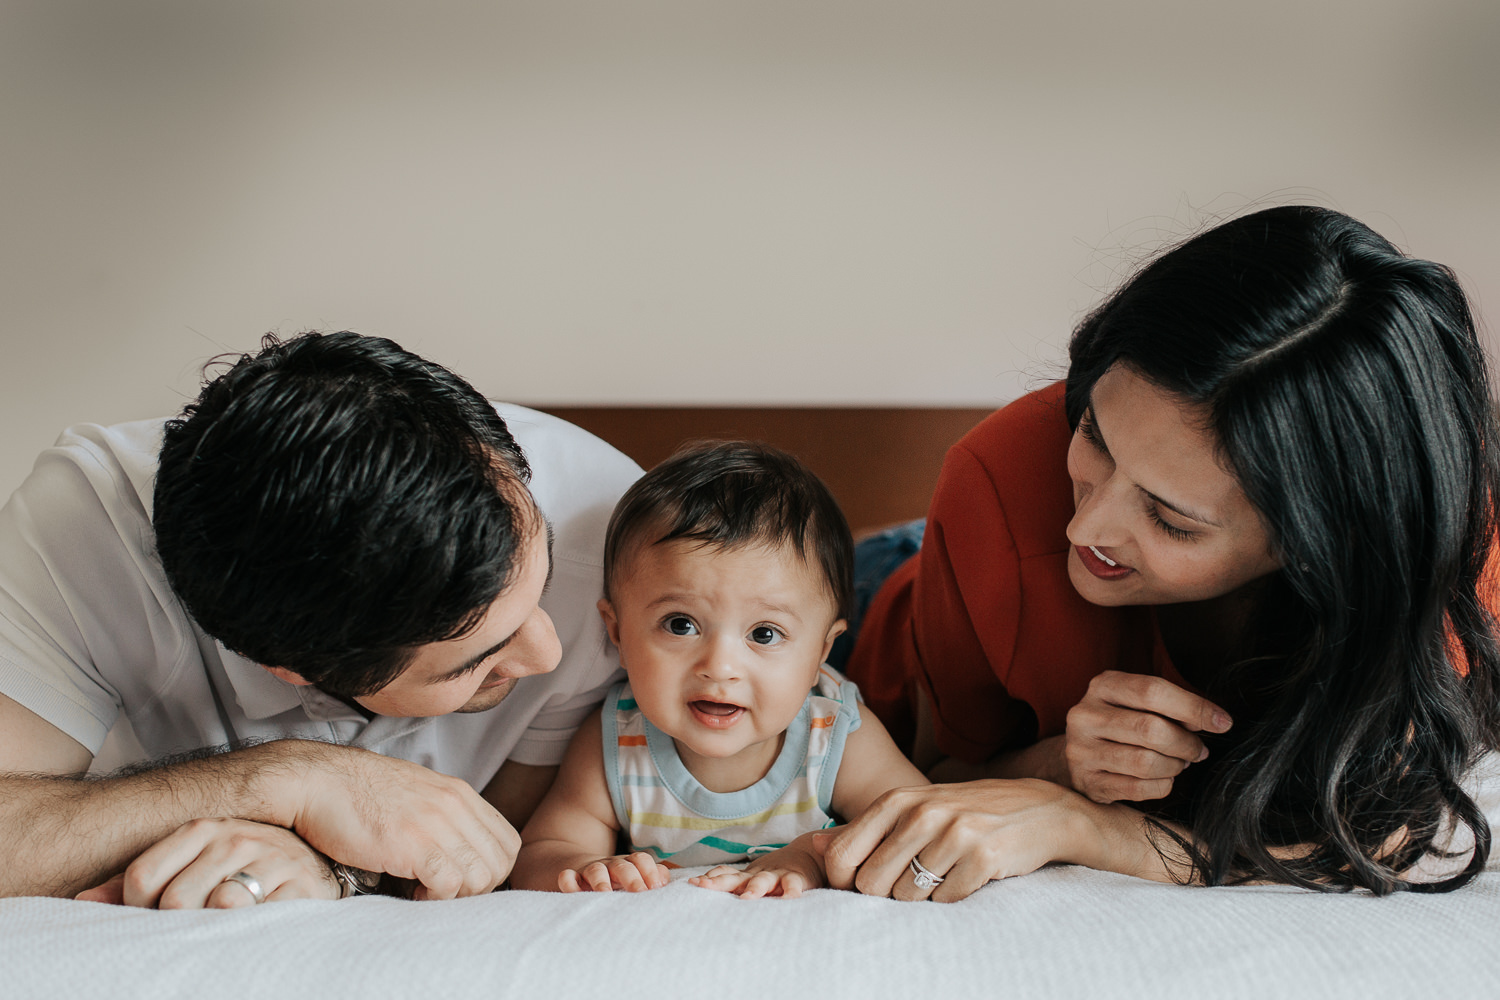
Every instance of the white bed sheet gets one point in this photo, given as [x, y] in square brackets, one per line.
[1061, 932]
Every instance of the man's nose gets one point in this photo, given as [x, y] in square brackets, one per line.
[543, 651]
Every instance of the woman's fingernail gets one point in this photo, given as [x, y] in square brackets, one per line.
[1222, 722]
[1202, 755]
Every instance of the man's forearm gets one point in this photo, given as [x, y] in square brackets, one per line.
[65, 834]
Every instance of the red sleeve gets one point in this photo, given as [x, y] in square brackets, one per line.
[949, 618]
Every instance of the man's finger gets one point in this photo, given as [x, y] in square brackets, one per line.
[112, 892]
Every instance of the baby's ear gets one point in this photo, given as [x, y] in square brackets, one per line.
[838, 628]
[611, 623]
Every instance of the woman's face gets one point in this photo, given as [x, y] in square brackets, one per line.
[1158, 519]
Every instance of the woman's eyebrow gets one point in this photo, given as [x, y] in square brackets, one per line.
[1176, 509]
[1093, 418]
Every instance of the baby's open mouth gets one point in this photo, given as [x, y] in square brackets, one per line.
[716, 713]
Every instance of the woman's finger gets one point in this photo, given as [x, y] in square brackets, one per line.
[1160, 696]
[847, 851]
[1128, 759]
[922, 878]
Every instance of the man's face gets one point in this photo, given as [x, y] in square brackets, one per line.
[475, 672]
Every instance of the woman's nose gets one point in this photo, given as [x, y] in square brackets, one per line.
[1096, 516]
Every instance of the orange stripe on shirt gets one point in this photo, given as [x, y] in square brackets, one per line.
[632, 741]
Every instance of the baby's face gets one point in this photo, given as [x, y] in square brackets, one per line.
[721, 645]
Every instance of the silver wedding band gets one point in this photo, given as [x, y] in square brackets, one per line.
[252, 885]
[925, 878]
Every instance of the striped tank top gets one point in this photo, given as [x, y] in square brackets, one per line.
[665, 810]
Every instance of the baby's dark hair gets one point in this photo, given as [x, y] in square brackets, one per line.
[732, 493]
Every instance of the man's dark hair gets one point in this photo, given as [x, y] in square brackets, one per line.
[333, 502]
[732, 493]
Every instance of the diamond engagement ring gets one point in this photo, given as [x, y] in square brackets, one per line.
[925, 878]
[251, 885]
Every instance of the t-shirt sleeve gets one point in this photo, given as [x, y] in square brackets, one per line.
[73, 596]
[546, 739]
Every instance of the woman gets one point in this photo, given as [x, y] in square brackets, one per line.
[1231, 572]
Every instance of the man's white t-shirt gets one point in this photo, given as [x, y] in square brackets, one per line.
[90, 629]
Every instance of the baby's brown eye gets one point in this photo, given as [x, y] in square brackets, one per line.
[765, 635]
[681, 625]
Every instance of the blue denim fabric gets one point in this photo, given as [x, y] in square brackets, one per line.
[875, 559]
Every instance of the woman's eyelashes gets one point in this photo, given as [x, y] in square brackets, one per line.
[1172, 531]
[1090, 433]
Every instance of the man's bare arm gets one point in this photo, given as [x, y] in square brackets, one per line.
[65, 833]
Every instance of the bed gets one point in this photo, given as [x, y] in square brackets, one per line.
[1060, 932]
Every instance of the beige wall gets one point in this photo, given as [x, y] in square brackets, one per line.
[691, 202]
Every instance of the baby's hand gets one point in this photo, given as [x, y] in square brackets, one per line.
[624, 872]
[746, 884]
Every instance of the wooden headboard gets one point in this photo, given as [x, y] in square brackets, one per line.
[880, 462]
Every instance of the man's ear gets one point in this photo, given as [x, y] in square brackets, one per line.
[290, 676]
[838, 628]
[611, 623]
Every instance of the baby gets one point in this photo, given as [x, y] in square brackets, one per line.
[727, 576]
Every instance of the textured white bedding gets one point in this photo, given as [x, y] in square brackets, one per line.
[1061, 932]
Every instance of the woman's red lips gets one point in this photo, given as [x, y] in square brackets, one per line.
[1099, 564]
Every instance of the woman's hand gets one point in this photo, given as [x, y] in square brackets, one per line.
[1132, 734]
[967, 834]
[190, 868]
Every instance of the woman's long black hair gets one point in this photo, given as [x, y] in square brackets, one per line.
[1349, 395]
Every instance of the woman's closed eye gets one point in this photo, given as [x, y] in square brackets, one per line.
[1172, 531]
[767, 635]
[1090, 433]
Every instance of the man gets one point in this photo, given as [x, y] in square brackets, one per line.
[343, 567]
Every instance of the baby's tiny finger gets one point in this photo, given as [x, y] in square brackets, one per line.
[597, 877]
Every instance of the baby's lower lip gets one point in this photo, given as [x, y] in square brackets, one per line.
[716, 714]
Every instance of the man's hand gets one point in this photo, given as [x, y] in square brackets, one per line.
[190, 868]
[1132, 734]
[389, 815]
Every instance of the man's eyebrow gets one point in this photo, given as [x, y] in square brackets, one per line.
[473, 662]
[551, 564]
